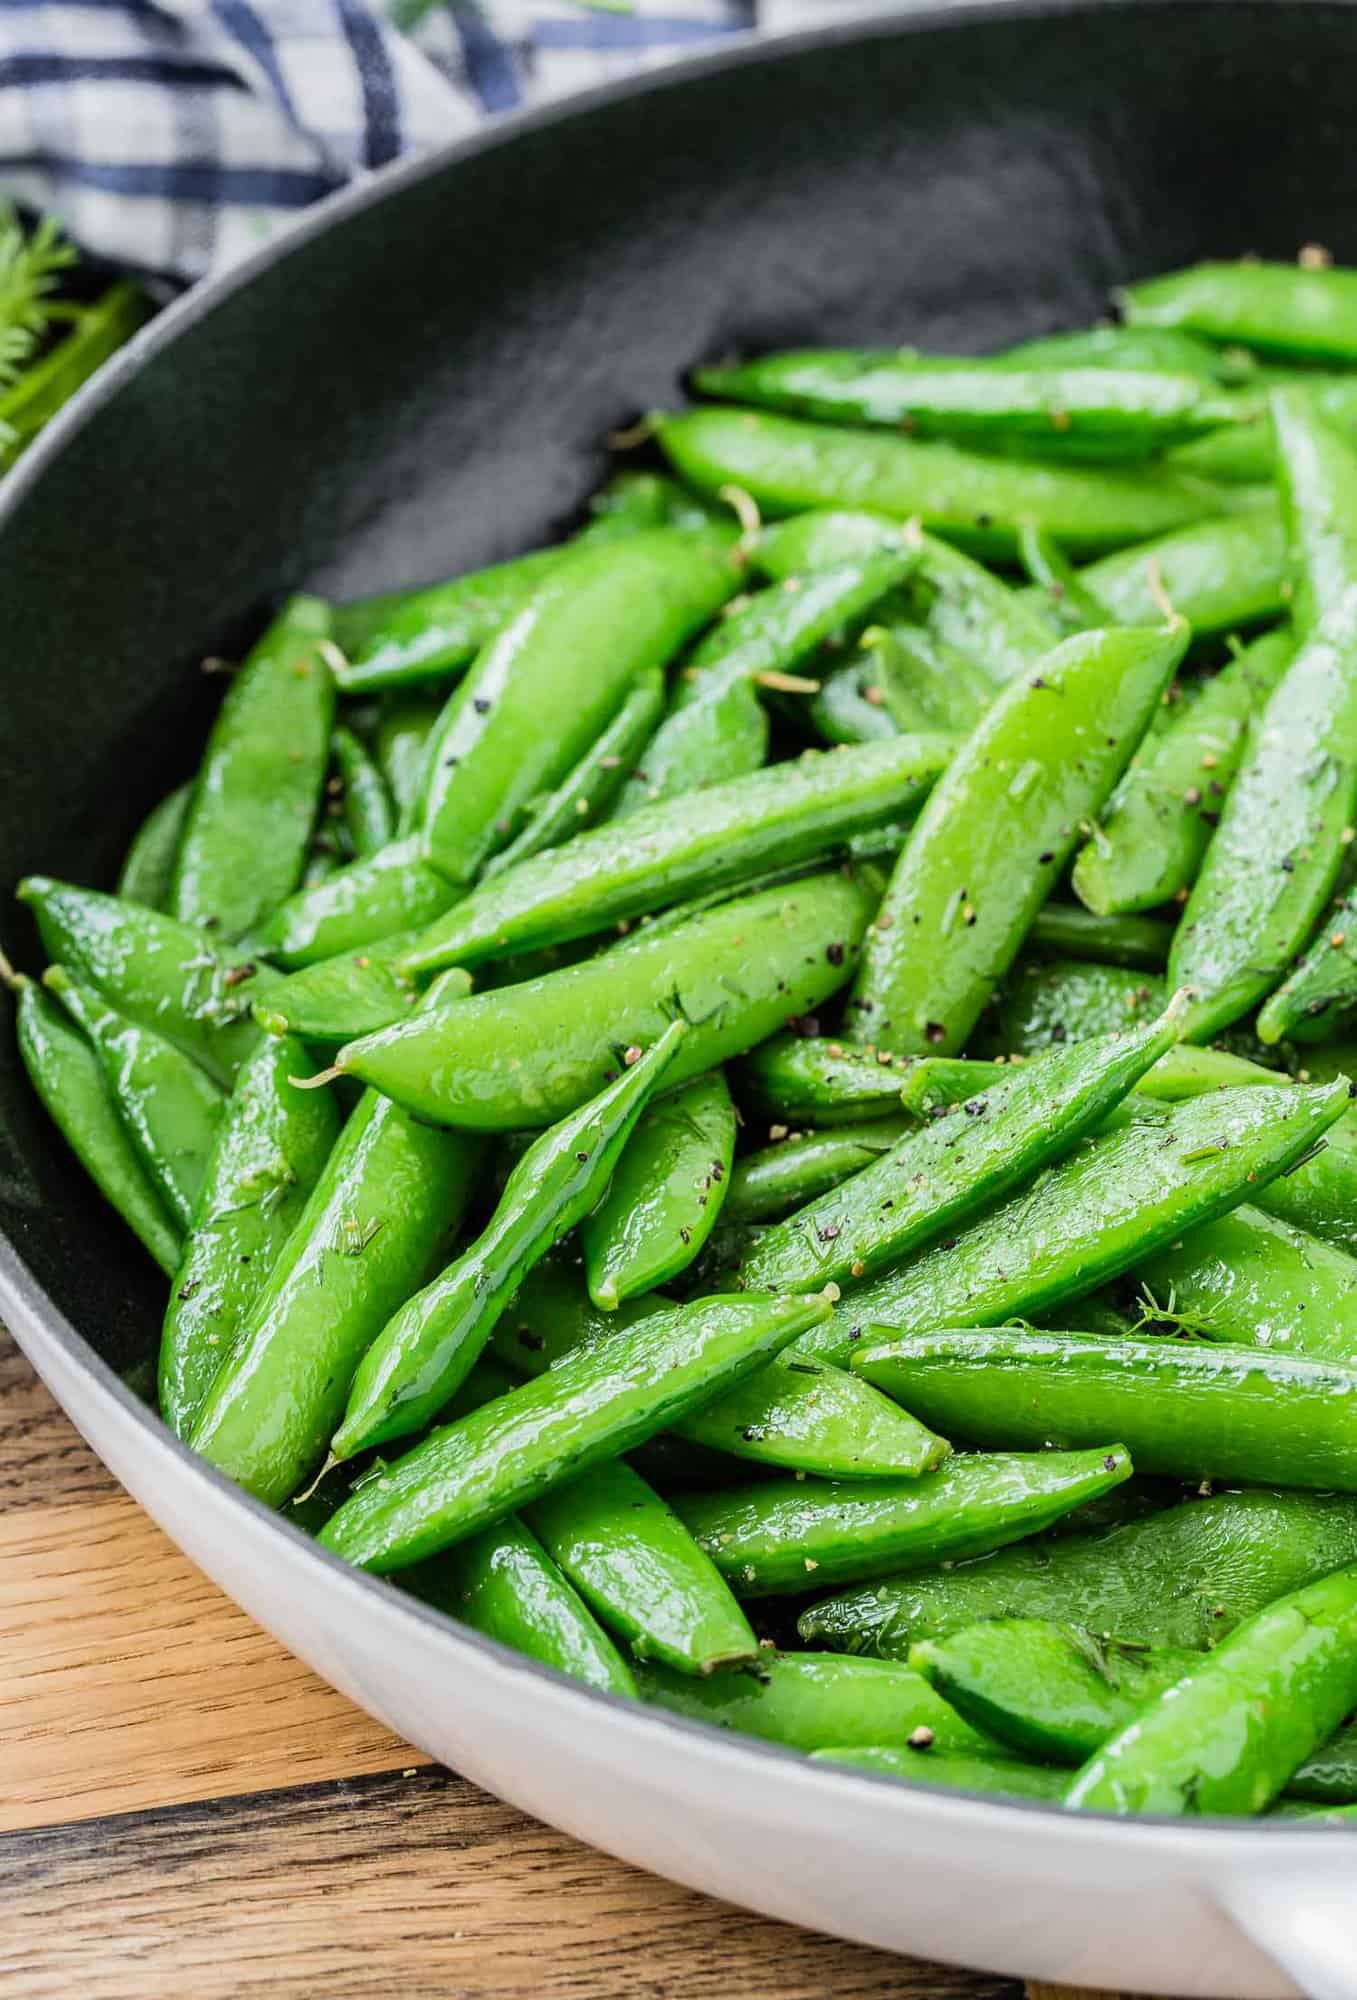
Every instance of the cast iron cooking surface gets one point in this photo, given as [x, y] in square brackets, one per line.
[424, 384]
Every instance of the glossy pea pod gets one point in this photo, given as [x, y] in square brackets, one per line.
[526, 1055]
[1004, 1777]
[170, 1107]
[968, 497]
[369, 813]
[1067, 1000]
[592, 1407]
[806, 1700]
[998, 827]
[1317, 998]
[1065, 930]
[1183, 1577]
[954, 1165]
[1287, 309]
[1159, 821]
[422, 1355]
[1249, 452]
[787, 1537]
[147, 873]
[1275, 856]
[405, 724]
[667, 1193]
[245, 837]
[1188, 1410]
[1138, 347]
[272, 1145]
[604, 617]
[1068, 602]
[337, 998]
[920, 675]
[708, 734]
[850, 706]
[159, 973]
[1227, 1737]
[1221, 575]
[1251, 1278]
[768, 1184]
[393, 890]
[807, 1078]
[1097, 1213]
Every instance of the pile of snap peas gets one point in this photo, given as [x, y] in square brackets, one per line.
[757, 1103]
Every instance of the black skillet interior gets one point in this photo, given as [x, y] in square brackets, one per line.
[424, 385]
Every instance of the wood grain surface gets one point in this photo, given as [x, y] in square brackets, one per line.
[187, 1813]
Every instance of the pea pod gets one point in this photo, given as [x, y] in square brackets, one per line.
[364, 904]
[1064, 1000]
[368, 811]
[271, 1148]
[1100, 1212]
[405, 725]
[503, 1584]
[1183, 1577]
[527, 1054]
[851, 707]
[170, 1107]
[1159, 821]
[604, 617]
[1252, 1279]
[638, 1568]
[245, 836]
[1064, 930]
[807, 1077]
[1102, 412]
[976, 500]
[592, 1407]
[1188, 1410]
[148, 870]
[1138, 347]
[935, 1082]
[956, 1164]
[666, 1194]
[73, 1086]
[422, 1354]
[769, 1184]
[959, 902]
[158, 972]
[1249, 453]
[1227, 1737]
[1286, 309]
[421, 635]
[805, 1700]
[335, 999]
[791, 815]
[1220, 575]
[1067, 601]
[1006, 1777]
[587, 793]
[1314, 1001]
[788, 1536]
[1276, 854]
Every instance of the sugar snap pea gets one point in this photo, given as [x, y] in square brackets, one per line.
[427, 634]
[923, 682]
[405, 724]
[593, 1406]
[1068, 602]
[786, 464]
[769, 1184]
[271, 1148]
[1320, 992]
[147, 872]
[808, 1077]
[791, 1536]
[363, 904]
[1006, 1777]
[1227, 1737]
[1248, 452]
[959, 902]
[805, 1700]
[368, 811]
[1066, 1000]
[1189, 1410]
[667, 1192]
[527, 1054]
[421, 1356]
[1251, 1278]
[1139, 347]
[1220, 575]
[334, 999]
[850, 706]
[1064, 930]
[1288, 309]
[641, 1572]
[1183, 1577]
[1316, 480]
[254, 800]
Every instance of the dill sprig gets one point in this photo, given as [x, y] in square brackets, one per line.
[30, 270]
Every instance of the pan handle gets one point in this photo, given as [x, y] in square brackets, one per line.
[1307, 1923]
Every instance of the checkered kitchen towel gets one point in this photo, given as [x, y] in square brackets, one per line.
[173, 135]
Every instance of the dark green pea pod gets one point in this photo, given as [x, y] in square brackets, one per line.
[1005, 1777]
[423, 1353]
[1187, 1410]
[1221, 575]
[525, 1055]
[422, 635]
[605, 616]
[148, 871]
[637, 1567]
[337, 998]
[800, 1415]
[592, 1407]
[850, 706]
[1099, 1212]
[1315, 1001]
[769, 1184]
[959, 903]
[805, 1700]
[1238, 1724]
[666, 1194]
[369, 813]
[272, 1146]
[503, 1584]
[1139, 347]
[254, 802]
[1289, 309]
[586, 794]
[1073, 607]
[943, 1172]
[1064, 930]
[405, 724]
[71, 1081]
[363, 904]
[968, 497]
[169, 1105]
[1252, 1279]
[808, 1079]
[159, 973]
[1053, 412]
[1063, 1000]
[701, 740]
[792, 815]
[1159, 821]
[1183, 1577]
[787, 1536]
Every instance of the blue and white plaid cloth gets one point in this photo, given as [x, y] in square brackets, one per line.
[171, 136]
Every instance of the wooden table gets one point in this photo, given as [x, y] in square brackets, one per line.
[186, 1811]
